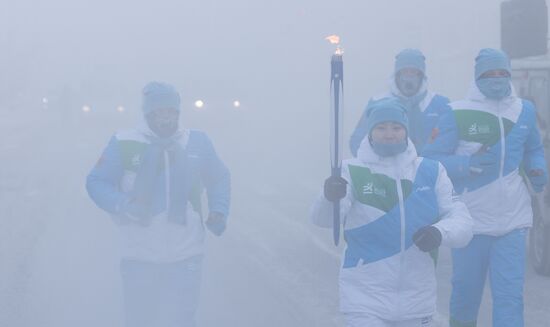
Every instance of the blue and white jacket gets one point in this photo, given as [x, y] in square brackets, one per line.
[388, 200]
[112, 179]
[498, 200]
[438, 127]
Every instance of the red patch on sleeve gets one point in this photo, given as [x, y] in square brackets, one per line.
[435, 134]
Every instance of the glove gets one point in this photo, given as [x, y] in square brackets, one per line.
[335, 188]
[483, 162]
[133, 212]
[427, 238]
[538, 178]
[216, 223]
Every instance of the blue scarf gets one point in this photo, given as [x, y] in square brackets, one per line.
[388, 150]
[152, 164]
[416, 119]
[495, 88]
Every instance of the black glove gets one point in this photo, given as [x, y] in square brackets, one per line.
[335, 188]
[538, 178]
[427, 238]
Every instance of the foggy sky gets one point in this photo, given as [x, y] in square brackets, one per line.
[266, 51]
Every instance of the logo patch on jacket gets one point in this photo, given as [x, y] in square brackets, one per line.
[136, 160]
[131, 152]
[476, 129]
[377, 190]
[481, 127]
[370, 188]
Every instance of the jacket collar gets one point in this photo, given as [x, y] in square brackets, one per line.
[474, 94]
[367, 155]
[394, 90]
[143, 128]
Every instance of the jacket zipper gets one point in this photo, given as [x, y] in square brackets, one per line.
[167, 193]
[167, 178]
[502, 138]
[502, 147]
[402, 241]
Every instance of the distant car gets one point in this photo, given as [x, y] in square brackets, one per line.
[531, 79]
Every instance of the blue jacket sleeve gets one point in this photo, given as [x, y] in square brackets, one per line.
[533, 157]
[457, 166]
[444, 137]
[103, 180]
[443, 146]
[216, 179]
[359, 133]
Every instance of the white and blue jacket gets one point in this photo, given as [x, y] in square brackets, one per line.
[388, 200]
[498, 199]
[111, 180]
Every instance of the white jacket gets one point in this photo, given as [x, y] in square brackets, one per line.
[498, 198]
[111, 182]
[383, 273]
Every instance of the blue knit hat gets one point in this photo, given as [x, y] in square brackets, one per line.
[491, 59]
[410, 58]
[157, 95]
[386, 110]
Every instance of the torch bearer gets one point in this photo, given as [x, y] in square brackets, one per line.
[336, 122]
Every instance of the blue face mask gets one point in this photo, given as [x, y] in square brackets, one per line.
[495, 88]
[389, 149]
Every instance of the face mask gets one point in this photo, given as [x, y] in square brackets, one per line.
[408, 84]
[389, 149]
[495, 88]
[163, 126]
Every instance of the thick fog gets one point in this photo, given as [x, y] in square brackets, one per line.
[71, 74]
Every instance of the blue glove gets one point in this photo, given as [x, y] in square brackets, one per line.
[538, 179]
[483, 162]
[216, 223]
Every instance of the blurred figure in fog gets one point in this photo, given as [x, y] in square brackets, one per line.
[498, 142]
[398, 209]
[150, 180]
[431, 123]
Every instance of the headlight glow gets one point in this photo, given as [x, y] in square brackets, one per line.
[199, 104]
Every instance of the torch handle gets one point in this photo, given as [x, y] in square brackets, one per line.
[337, 90]
[336, 223]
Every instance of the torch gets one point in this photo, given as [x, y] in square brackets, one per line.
[336, 123]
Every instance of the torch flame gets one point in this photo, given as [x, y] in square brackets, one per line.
[335, 39]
